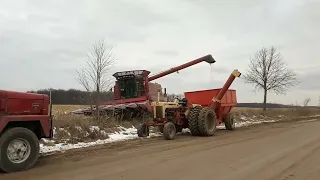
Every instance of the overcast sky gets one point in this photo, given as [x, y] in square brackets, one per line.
[42, 43]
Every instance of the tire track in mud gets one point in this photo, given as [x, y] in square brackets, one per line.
[279, 166]
[136, 143]
[183, 144]
[292, 172]
[243, 161]
[159, 145]
[186, 148]
[159, 153]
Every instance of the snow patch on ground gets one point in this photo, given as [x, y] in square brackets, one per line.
[124, 134]
[247, 123]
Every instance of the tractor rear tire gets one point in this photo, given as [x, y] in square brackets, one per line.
[143, 130]
[19, 150]
[207, 121]
[229, 122]
[169, 131]
[193, 121]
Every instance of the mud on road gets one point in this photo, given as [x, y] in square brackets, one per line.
[275, 151]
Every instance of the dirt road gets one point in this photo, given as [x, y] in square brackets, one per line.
[279, 151]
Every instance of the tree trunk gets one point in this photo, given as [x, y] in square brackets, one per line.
[97, 106]
[265, 100]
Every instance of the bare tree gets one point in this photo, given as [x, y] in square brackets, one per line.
[95, 77]
[306, 102]
[268, 72]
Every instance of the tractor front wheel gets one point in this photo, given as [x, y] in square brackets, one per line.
[169, 131]
[143, 130]
[229, 122]
[207, 121]
[19, 149]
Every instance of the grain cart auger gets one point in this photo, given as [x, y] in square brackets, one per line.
[200, 111]
[134, 91]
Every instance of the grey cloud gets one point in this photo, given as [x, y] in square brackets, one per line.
[310, 81]
[45, 42]
[166, 53]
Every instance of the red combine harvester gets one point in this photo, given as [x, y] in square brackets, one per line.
[134, 92]
[200, 111]
[25, 118]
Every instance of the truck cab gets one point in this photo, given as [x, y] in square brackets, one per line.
[25, 118]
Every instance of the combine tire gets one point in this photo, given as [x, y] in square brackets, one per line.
[143, 130]
[169, 131]
[19, 150]
[193, 121]
[229, 122]
[207, 121]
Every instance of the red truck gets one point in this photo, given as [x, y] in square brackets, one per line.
[25, 118]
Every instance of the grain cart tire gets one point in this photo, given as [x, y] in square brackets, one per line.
[229, 122]
[169, 131]
[143, 130]
[207, 121]
[19, 150]
[193, 121]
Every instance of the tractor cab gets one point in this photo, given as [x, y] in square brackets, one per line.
[181, 101]
[130, 84]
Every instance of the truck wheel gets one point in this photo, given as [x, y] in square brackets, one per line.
[19, 150]
[193, 121]
[169, 131]
[143, 130]
[229, 122]
[207, 121]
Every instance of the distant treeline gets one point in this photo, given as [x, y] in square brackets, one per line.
[260, 105]
[71, 96]
[78, 97]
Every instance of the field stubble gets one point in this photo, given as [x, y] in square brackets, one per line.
[70, 128]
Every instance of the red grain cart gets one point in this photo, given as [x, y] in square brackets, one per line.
[204, 98]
